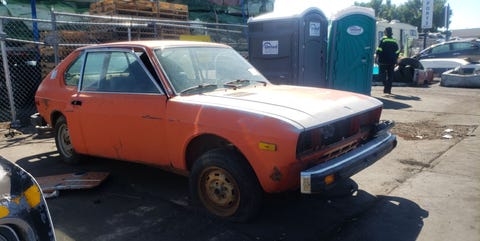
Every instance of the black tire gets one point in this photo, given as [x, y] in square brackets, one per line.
[406, 69]
[223, 183]
[63, 143]
[8, 234]
[404, 74]
[410, 62]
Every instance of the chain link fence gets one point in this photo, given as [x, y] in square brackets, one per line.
[32, 48]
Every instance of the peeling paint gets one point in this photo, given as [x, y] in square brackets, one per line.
[276, 174]
[149, 117]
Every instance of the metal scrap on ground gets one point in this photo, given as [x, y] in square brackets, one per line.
[51, 185]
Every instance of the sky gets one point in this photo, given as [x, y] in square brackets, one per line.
[465, 12]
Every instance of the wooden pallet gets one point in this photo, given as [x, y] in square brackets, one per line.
[172, 11]
[63, 51]
[142, 8]
[68, 36]
[46, 67]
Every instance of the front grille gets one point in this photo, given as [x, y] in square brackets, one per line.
[335, 139]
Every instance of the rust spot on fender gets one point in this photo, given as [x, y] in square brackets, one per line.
[46, 102]
[276, 174]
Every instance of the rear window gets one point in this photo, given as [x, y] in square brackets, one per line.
[72, 75]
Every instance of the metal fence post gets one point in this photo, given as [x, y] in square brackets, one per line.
[55, 34]
[6, 71]
[129, 31]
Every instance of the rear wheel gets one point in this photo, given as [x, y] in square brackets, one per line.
[63, 143]
[225, 185]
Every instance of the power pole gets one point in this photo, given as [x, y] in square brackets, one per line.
[447, 21]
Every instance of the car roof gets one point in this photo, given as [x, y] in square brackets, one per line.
[153, 44]
[456, 41]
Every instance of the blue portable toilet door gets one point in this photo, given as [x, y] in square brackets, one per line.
[351, 63]
[313, 47]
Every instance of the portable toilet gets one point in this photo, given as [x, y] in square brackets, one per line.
[290, 49]
[351, 48]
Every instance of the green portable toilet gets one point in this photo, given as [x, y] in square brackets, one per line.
[351, 46]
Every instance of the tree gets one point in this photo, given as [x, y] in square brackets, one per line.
[409, 12]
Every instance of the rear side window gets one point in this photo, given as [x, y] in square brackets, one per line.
[72, 75]
[116, 71]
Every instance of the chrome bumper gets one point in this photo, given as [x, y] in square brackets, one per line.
[345, 166]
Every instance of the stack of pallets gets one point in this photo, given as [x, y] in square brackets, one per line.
[63, 38]
[143, 9]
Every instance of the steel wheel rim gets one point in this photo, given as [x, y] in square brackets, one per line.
[65, 145]
[219, 191]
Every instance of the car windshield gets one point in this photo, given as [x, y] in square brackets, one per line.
[201, 69]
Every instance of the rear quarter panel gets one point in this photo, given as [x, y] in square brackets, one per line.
[52, 93]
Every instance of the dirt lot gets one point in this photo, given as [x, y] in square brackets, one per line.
[426, 189]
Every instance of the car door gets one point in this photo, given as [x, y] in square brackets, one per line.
[464, 50]
[120, 108]
[440, 51]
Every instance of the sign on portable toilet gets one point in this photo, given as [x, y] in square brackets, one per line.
[351, 46]
[290, 49]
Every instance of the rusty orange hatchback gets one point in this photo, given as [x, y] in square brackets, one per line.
[200, 109]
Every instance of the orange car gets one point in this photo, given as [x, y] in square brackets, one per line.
[200, 109]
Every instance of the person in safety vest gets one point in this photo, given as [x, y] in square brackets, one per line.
[386, 57]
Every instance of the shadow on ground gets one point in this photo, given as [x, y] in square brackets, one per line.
[139, 202]
[389, 101]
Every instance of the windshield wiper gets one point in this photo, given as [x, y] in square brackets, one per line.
[199, 87]
[264, 83]
[236, 83]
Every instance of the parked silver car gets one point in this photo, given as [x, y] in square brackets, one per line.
[460, 49]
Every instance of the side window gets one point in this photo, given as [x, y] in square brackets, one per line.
[413, 33]
[93, 71]
[441, 49]
[462, 46]
[116, 71]
[72, 75]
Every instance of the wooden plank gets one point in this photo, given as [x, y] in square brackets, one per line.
[172, 6]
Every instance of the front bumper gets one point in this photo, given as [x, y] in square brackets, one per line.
[313, 180]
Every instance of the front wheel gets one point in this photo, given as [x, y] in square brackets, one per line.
[225, 185]
[63, 143]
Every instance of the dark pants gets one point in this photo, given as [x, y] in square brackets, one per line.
[385, 73]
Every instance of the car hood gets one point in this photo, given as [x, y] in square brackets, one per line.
[303, 107]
